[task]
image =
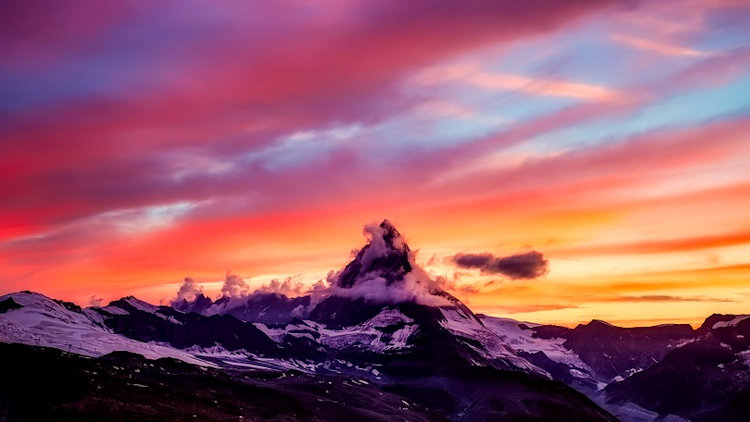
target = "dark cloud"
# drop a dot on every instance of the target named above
(95, 301)
(527, 265)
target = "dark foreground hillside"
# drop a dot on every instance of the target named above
(48, 384)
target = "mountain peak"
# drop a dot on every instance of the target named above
(386, 255)
(134, 302)
(390, 234)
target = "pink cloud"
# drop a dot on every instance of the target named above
(658, 47)
(230, 92)
(472, 74)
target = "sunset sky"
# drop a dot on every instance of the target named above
(144, 142)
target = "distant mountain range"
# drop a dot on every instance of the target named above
(382, 343)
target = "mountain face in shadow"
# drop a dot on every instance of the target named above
(704, 380)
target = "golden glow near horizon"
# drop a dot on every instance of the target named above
(632, 282)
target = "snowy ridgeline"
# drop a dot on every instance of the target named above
(41, 321)
(731, 323)
(372, 335)
(521, 338)
(44, 322)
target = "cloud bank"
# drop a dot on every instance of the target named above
(188, 291)
(288, 287)
(234, 286)
(528, 265)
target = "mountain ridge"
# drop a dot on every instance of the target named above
(385, 322)
(549, 356)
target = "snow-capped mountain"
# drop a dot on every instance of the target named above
(395, 355)
(387, 348)
(545, 347)
(381, 301)
(591, 355)
(34, 319)
(383, 324)
(267, 308)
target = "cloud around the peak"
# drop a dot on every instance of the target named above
(527, 265)
(415, 287)
(385, 271)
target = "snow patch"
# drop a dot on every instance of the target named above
(493, 345)
(519, 336)
(141, 305)
(275, 334)
(378, 334)
(746, 357)
(114, 310)
(215, 351)
(243, 364)
(731, 323)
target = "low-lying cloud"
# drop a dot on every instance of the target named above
(234, 286)
(412, 288)
(528, 265)
(189, 289)
(237, 290)
(288, 287)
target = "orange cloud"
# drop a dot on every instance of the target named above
(660, 246)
